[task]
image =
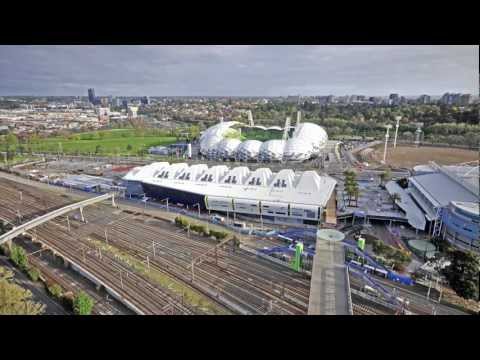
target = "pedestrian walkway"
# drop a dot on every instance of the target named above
(329, 289)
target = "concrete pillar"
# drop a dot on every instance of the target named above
(81, 214)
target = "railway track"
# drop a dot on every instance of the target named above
(101, 307)
(253, 284)
(120, 278)
(361, 309)
(239, 274)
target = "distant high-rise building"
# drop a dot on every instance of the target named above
(394, 99)
(91, 95)
(125, 104)
(465, 99)
(104, 102)
(423, 99)
(145, 100)
(455, 99)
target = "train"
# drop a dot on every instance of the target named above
(387, 274)
(371, 269)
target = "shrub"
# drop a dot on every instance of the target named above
(82, 304)
(68, 298)
(33, 274)
(183, 223)
(55, 290)
(200, 229)
(219, 235)
(19, 257)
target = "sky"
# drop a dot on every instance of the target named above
(238, 70)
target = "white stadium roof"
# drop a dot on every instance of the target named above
(306, 187)
(307, 140)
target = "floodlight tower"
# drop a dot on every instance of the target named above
(287, 128)
(250, 118)
(299, 117)
(418, 134)
(397, 125)
(388, 127)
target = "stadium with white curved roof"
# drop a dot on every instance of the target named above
(286, 196)
(222, 141)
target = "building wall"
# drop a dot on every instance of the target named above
(461, 228)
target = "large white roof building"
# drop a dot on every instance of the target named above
(286, 194)
(307, 140)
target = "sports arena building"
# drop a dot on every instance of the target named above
(449, 198)
(283, 197)
(221, 142)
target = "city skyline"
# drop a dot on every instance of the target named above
(238, 70)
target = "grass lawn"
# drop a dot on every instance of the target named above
(111, 142)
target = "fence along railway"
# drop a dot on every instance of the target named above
(229, 279)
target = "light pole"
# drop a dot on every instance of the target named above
(397, 125)
(145, 202)
(197, 204)
(388, 127)
(418, 134)
(166, 201)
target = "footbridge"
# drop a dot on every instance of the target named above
(330, 283)
(19, 230)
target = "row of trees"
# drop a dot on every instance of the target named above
(14, 300)
(351, 186)
(368, 120)
(463, 273)
(199, 229)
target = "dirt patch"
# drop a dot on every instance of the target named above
(406, 156)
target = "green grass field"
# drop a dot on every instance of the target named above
(110, 142)
(260, 135)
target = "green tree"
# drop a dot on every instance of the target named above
(14, 300)
(141, 152)
(82, 304)
(19, 257)
(129, 147)
(33, 274)
(55, 290)
(463, 273)
(351, 186)
(194, 131)
(10, 143)
(98, 149)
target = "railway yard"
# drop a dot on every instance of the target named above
(131, 261)
(147, 261)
